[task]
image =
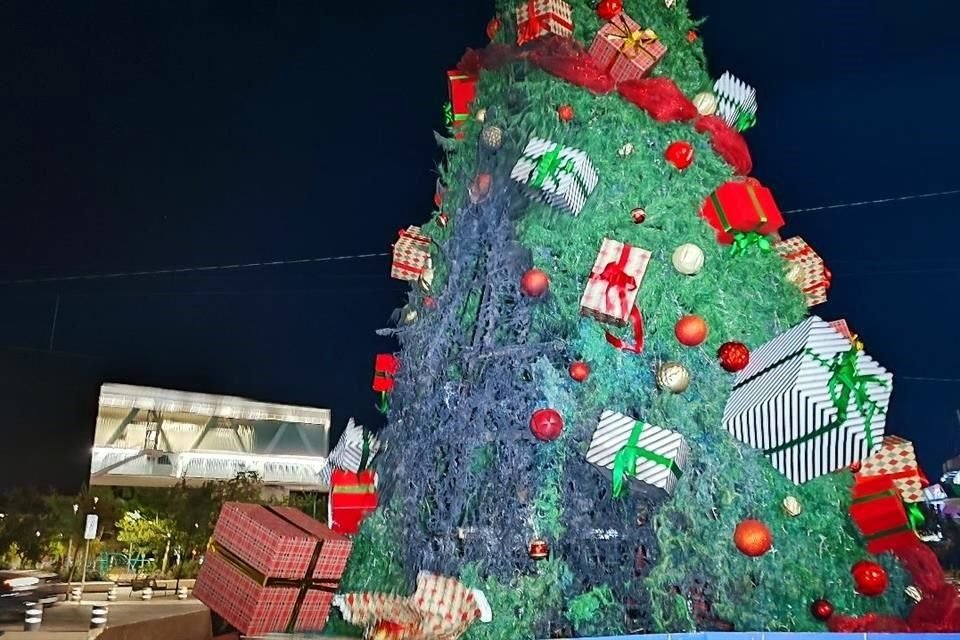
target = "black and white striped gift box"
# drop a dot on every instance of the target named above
(611, 435)
(782, 396)
(348, 453)
(565, 189)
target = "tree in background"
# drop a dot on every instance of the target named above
(502, 379)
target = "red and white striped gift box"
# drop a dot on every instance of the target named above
(411, 252)
(536, 18)
(807, 269)
(271, 569)
(897, 460)
(611, 291)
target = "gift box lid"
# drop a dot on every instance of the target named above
(279, 542)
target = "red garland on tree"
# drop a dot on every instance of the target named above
(734, 356)
(728, 144)
(546, 424)
(493, 27)
(660, 97)
(609, 9)
(679, 154)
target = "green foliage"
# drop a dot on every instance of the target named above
(593, 612)
(145, 534)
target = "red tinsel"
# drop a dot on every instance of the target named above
(569, 61)
(728, 144)
(660, 97)
(937, 612)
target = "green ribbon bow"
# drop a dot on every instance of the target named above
(915, 515)
(384, 405)
(845, 382)
(448, 113)
(625, 462)
(743, 241)
(745, 120)
(549, 165)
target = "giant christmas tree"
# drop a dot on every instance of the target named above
(583, 133)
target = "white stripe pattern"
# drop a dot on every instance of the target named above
(734, 97)
(567, 190)
(611, 435)
(783, 395)
(348, 453)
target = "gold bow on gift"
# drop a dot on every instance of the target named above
(631, 43)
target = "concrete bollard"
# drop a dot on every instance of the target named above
(75, 594)
(147, 594)
(33, 616)
(98, 616)
(112, 594)
(182, 593)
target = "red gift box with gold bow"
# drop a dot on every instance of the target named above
(742, 206)
(353, 496)
(626, 50)
(879, 515)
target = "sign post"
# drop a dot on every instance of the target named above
(89, 533)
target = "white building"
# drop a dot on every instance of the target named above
(156, 437)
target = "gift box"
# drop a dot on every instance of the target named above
(807, 270)
(355, 449)
(742, 212)
(411, 252)
(878, 514)
(271, 569)
(463, 90)
(842, 328)
(536, 18)
(560, 176)
(611, 292)
(896, 460)
(384, 369)
(811, 401)
(353, 496)
(651, 458)
(626, 50)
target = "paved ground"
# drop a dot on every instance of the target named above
(67, 616)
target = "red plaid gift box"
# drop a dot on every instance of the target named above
(878, 513)
(353, 496)
(536, 18)
(271, 569)
(410, 254)
(807, 270)
(463, 89)
(842, 328)
(897, 460)
(741, 207)
(626, 50)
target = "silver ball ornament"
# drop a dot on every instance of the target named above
(706, 103)
(673, 376)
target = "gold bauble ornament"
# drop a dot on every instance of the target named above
(706, 103)
(791, 506)
(492, 137)
(425, 281)
(625, 150)
(913, 593)
(480, 115)
(688, 259)
(673, 376)
(408, 315)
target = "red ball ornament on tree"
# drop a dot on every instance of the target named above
(493, 27)
(546, 424)
(565, 113)
(679, 154)
(734, 356)
(753, 538)
(870, 579)
(691, 330)
(535, 283)
(821, 609)
(609, 9)
(579, 371)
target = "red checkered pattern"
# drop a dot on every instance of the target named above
(808, 271)
(896, 458)
(447, 606)
(367, 609)
(410, 254)
(842, 328)
(536, 18)
(619, 48)
(278, 549)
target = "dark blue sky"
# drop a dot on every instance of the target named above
(151, 135)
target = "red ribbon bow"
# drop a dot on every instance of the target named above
(532, 27)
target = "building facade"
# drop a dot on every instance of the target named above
(158, 437)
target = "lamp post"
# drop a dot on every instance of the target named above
(76, 509)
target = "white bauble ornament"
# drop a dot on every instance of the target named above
(688, 259)
(706, 103)
(673, 376)
(480, 115)
(492, 137)
(791, 506)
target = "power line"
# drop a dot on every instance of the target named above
(863, 203)
(928, 379)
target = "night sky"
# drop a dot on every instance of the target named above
(144, 136)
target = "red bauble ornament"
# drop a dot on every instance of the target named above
(870, 579)
(534, 283)
(609, 9)
(855, 467)
(679, 154)
(691, 330)
(565, 113)
(429, 303)
(539, 549)
(692, 36)
(579, 371)
(753, 538)
(546, 424)
(638, 216)
(734, 356)
(821, 609)
(493, 27)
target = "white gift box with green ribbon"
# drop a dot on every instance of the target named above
(561, 176)
(642, 456)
